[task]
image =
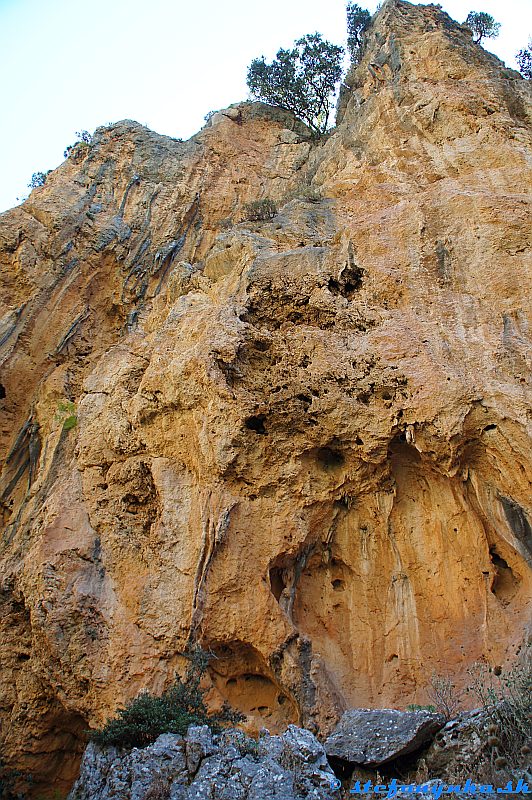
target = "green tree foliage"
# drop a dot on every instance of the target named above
(524, 59)
(483, 26)
(148, 716)
(358, 19)
(84, 139)
(301, 80)
(38, 179)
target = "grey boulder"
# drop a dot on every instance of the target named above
(203, 766)
(371, 737)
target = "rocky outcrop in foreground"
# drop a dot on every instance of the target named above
(373, 737)
(230, 766)
(302, 442)
(378, 746)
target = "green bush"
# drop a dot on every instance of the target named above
(483, 26)
(67, 414)
(260, 210)
(38, 179)
(84, 139)
(417, 707)
(182, 704)
(358, 20)
(310, 194)
(524, 59)
(301, 80)
(210, 114)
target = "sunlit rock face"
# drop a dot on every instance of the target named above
(303, 441)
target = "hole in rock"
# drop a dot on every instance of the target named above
(241, 677)
(261, 345)
(348, 282)
(342, 769)
(256, 423)
(490, 427)
(277, 583)
(23, 657)
(2, 391)
(403, 454)
(329, 458)
(281, 699)
(504, 584)
(338, 585)
(345, 501)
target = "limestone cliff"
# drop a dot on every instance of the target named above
(303, 442)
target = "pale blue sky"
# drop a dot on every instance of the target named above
(68, 66)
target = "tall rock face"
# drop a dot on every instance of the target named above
(302, 442)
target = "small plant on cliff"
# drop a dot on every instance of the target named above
(83, 141)
(67, 414)
(507, 698)
(358, 19)
(524, 60)
(301, 80)
(417, 707)
(260, 210)
(38, 179)
(483, 26)
(209, 115)
(182, 704)
(444, 695)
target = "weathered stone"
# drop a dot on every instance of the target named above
(199, 744)
(303, 442)
(459, 746)
(110, 772)
(228, 767)
(372, 737)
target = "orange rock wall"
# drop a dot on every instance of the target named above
(303, 442)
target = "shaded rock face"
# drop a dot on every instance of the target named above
(302, 442)
(229, 767)
(460, 747)
(372, 737)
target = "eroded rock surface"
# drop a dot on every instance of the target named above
(230, 766)
(371, 737)
(303, 442)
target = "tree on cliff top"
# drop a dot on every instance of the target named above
(301, 80)
(524, 59)
(483, 26)
(358, 19)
